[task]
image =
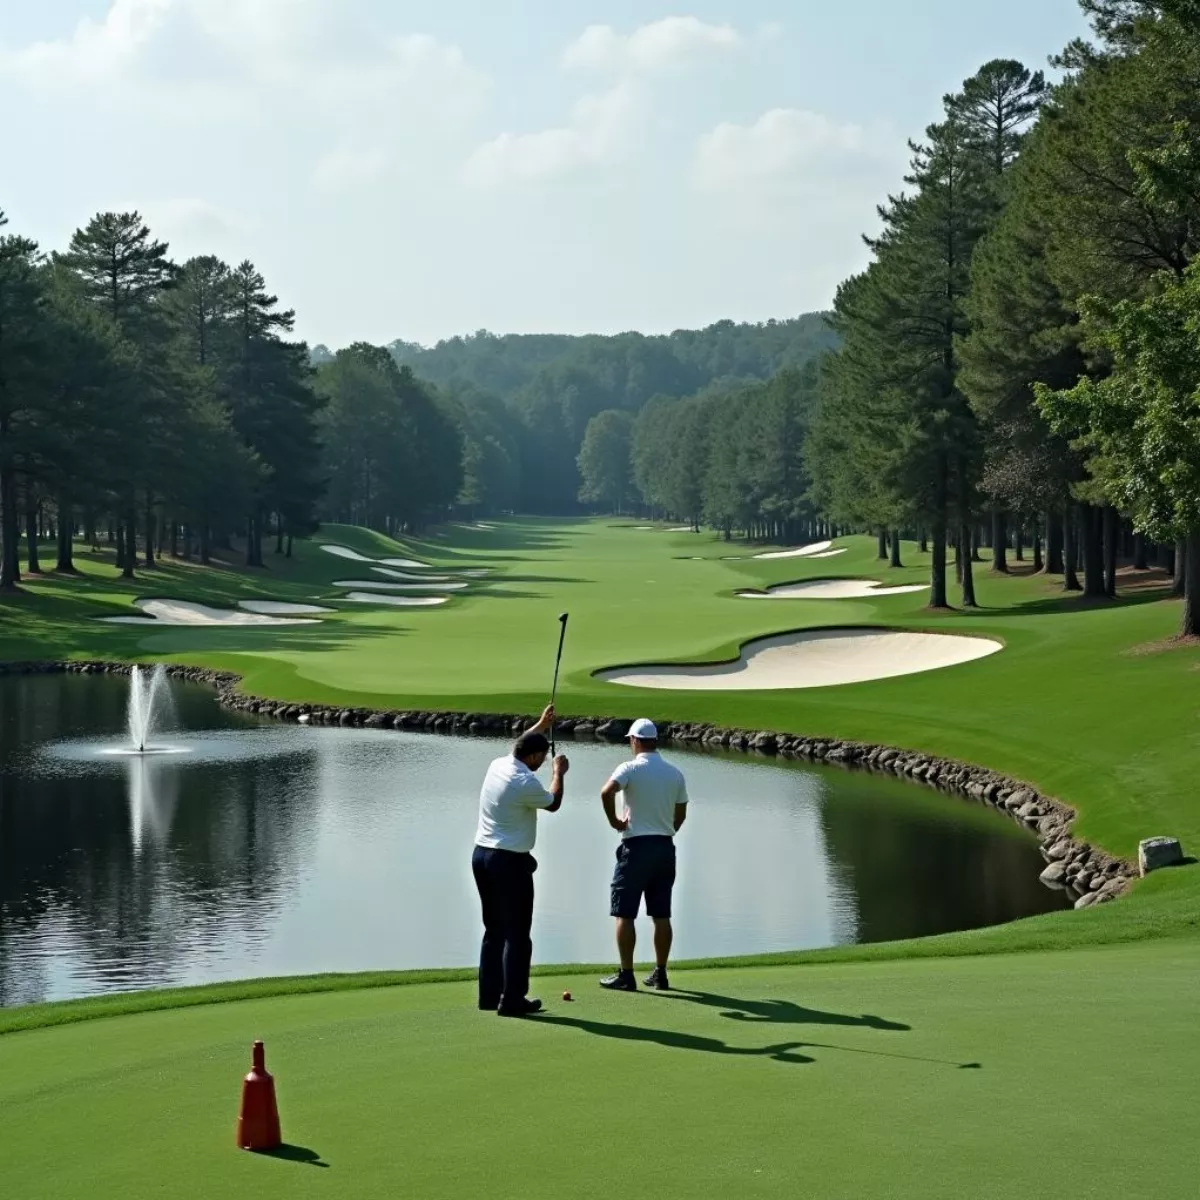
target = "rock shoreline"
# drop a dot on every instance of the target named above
(1089, 875)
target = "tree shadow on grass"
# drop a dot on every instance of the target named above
(296, 1154)
(778, 1012)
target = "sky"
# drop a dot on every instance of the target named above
(425, 168)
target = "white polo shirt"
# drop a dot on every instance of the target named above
(508, 806)
(651, 788)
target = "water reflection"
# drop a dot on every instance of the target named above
(271, 849)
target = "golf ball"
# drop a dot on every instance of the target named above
(566, 995)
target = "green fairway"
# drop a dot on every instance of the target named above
(994, 1077)
(1085, 1050)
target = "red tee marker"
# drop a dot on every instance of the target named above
(258, 1120)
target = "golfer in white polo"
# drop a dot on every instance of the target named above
(655, 807)
(503, 865)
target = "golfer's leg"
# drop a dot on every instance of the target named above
(658, 900)
(518, 921)
(663, 936)
(491, 952)
(626, 941)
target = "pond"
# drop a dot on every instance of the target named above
(269, 849)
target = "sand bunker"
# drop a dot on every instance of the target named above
(812, 659)
(409, 577)
(281, 608)
(354, 556)
(379, 586)
(832, 589)
(184, 612)
(802, 552)
(829, 553)
(680, 529)
(346, 552)
(397, 601)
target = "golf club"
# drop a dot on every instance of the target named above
(562, 637)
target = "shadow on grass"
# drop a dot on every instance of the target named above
(778, 1012)
(296, 1154)
(780, 1052)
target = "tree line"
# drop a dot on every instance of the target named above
(1022, 349)
(165, 408)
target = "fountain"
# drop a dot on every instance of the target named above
(147, 699)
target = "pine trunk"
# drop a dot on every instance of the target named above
(289, 546)
(130, 545)
(1191, 589)
(896, 548)
(279, 535)
(1055, 527)
(10, 530)
(883, 545)
(151, 530)
(1179, 572)
(66, 535)
(1093, 551)
(1038, 564)
(968, 572)
(1070, 569)
(937, 575)
(1112, 537)
(34, 562)
(1141, 559)
(1000, 540)
(924, 542)
(119, 539)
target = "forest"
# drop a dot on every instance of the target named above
(1019, 364)
(160, 407)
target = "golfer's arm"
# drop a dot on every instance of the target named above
(608, 797)
(556, 790)
(680, 816)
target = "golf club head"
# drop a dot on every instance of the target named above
(563, 617)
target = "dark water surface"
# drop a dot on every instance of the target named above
(266, 849)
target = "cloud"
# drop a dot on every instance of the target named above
(783, 148)
(195, 226)
(660, 45)
(348, 168)
(603, 128)
(311, 62)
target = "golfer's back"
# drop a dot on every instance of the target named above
(651, 788)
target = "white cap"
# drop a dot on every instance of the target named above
(643, 730)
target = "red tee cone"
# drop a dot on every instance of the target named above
(258, 1120)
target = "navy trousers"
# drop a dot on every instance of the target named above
(505, 883)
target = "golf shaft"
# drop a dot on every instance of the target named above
(562, 637)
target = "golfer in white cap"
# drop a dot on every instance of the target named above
(655, 798)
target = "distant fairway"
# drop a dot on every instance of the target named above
(1087, 1056)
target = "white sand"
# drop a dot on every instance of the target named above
(680, 529)
(802, 552)
(403, 562)
(379, 586)
(184, 612)
(832, 589)
(829, 553)
(477, 573)
(346, 552)
(409, 577)
(812, 659)
(397, 601)
(281, 608)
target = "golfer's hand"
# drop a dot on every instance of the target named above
(620, 824)
(546, 719)
(561, 765)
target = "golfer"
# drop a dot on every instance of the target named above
(503, 866)
(656, 801)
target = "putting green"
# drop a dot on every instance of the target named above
(1087, 1055)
